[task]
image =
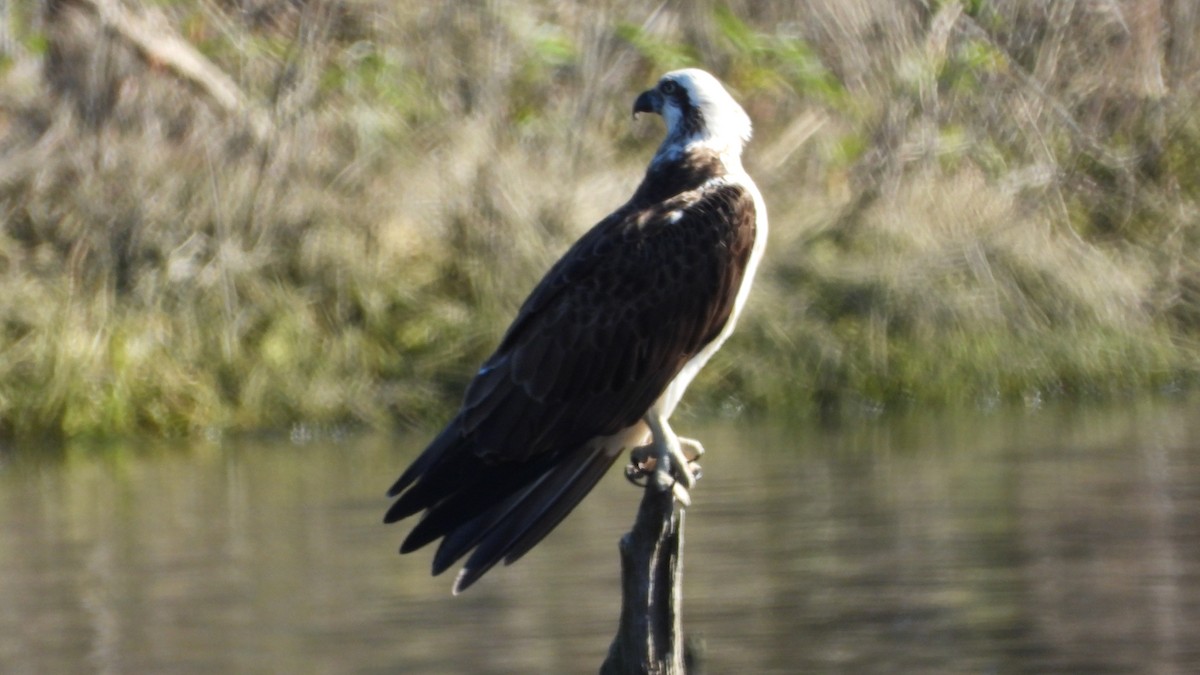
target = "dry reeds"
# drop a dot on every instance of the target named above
(970, 202)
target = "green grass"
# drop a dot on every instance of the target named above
(966, 208)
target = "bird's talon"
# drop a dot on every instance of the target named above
(642, 463)
(643, 455)
(684, 474)
(664, 480)
(691, 448)
(636, 475)
(681, 494)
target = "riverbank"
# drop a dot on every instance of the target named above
(969, 206)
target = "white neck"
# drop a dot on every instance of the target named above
(673, 149)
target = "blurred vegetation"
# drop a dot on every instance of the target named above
(970, 202)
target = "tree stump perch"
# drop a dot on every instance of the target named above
(649, 636)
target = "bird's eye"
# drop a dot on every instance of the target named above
(669, 87)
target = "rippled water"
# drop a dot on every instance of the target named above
(1058, 540)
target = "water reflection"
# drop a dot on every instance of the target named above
(1057, 541)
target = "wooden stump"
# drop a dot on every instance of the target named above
(649, 637)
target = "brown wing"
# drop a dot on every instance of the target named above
(596, 343)
(611, 326)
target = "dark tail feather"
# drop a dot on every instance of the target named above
(530, 519)
(434, 482)
(560, 508)
(452, 485)
(476, 492)
(437, 452)
(464, 538)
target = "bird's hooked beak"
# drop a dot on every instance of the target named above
(650, 101)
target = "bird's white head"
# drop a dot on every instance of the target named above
(697, 110)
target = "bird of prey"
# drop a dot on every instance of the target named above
(601, 352)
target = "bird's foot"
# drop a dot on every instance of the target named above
(644, 464)
(641, 464)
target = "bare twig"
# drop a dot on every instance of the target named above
(158, 43)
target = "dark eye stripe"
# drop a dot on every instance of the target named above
(691, 119)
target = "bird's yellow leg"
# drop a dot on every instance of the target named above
(666, 445)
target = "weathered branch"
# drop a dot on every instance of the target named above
(160, 45)
(649, 638)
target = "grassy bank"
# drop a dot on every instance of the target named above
(970, 203)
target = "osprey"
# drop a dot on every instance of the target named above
(602, 350)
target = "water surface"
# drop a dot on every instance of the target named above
(1056, 540)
